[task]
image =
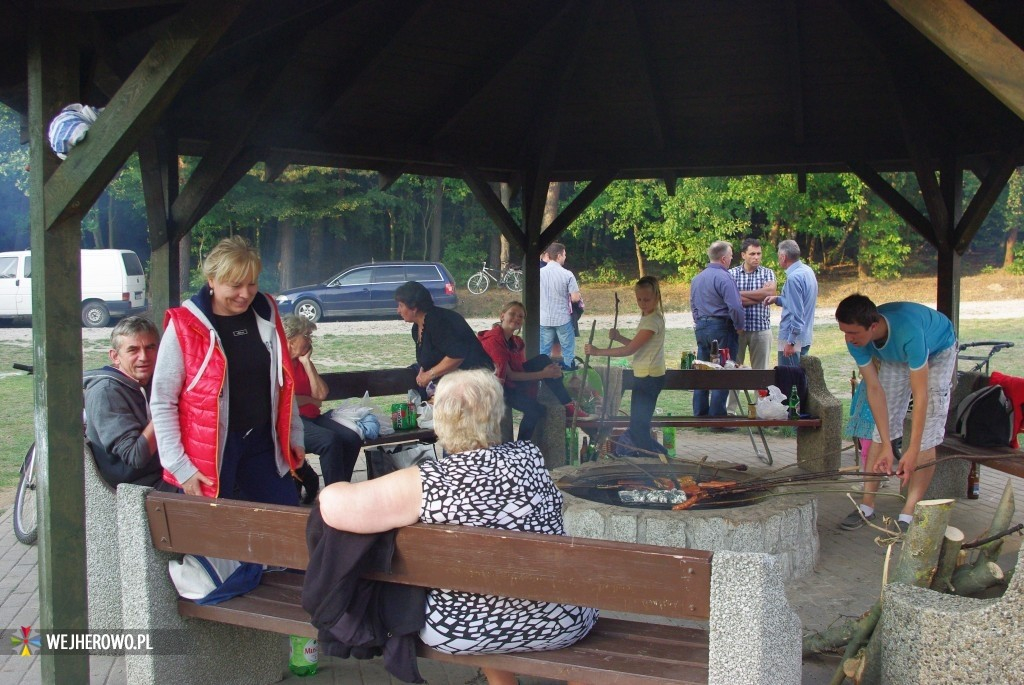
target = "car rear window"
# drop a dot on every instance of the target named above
(389, 274)
(422, 272)
(132, 265)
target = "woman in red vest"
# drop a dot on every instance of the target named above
(223, 395)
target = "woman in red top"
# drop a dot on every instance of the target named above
(518, 376)
(337, 445)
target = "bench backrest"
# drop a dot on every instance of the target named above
(729, 379)
(616, 576)
(379, 383)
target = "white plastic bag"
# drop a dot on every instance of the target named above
(772, 407)
(425, 415)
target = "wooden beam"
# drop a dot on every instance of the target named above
(578, 205)
(53, 81)
(80, 179)
(274, 166)
(487, 74)
(992, 185)
(657, 110)
(896, 202)
(984, 52)
(258, 95)
(794, 67)
(158, 162)
(209, 192)
(492, 205)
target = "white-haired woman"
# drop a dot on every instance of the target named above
(223, 396)
(468, 408)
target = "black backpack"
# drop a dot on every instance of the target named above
(985, 418)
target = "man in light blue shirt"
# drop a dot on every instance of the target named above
(916, 350)
(798, 299)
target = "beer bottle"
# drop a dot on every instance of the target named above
(794, 404)
(974, 481)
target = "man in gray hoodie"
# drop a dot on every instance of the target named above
(117, 421)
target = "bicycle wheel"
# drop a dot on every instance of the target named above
(478, 283)
(26, 516)
(514, 281)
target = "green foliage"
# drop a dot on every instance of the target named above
(605, 272)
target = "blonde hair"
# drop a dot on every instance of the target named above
(468, 408)
(652, 283)
(233, 260)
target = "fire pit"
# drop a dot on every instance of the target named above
(784, 527)
(658, 486)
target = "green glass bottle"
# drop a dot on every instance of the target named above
(794, 404)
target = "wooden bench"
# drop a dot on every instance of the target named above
(1009, 461)
(733, 380)
(378, 383)
(750, 619)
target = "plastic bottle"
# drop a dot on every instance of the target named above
(305, 655)
(974, 482)
(794, 404)
(669, 439)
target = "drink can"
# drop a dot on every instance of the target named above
(403, 416)
(724, 354)
(752, 410)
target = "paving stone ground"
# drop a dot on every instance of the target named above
(844, 584)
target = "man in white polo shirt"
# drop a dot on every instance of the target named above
(558, 290)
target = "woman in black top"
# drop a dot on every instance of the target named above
(444, 341)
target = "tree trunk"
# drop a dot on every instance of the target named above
(315, 249)
(641, 263)
(551, 204)
(505, 192)
(286, 254)
(1011, 244)
(916, 565)
(865, 628)
(1001, 520)
(111, 220)
(434, 253)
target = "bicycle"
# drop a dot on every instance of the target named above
(26, 514)
(510, 277)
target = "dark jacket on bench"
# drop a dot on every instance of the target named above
(356, 617)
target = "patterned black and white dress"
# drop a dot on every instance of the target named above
(504, 487)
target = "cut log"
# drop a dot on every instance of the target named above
(1001, 520)
(865, 628)
(916, 565)
(948, 554)
(969, 580)
(834, 637)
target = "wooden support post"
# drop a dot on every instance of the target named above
(57, 341)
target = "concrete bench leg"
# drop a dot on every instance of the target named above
(185, 650)
(755, 637)
(819, 449)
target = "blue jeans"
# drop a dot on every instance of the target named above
(707, 329)
(520, 396)
(642, 402)
(795, 359)
(566, 338)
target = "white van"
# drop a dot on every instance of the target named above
(113, 285)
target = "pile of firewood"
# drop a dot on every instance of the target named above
(933, 555)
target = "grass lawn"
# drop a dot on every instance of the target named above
(355, 352)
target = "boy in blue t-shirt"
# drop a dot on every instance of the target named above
(916, 347)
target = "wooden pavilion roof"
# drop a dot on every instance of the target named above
(641, 88)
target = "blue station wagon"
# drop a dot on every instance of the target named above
(367, 290)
